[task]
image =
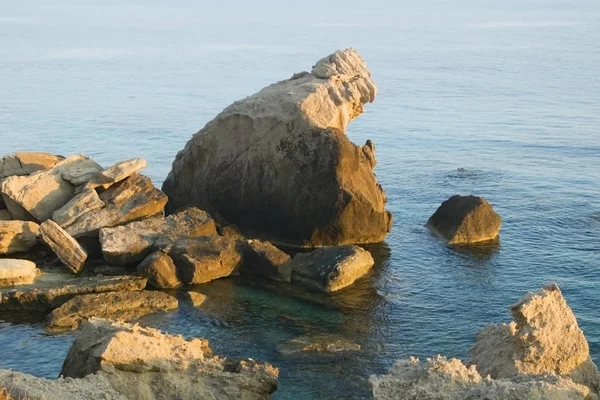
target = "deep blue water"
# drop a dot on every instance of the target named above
(510, 92)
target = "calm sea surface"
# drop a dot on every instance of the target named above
(498, 99)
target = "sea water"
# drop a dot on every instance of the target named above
(497, 99)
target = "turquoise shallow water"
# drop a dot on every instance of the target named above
(509, 92)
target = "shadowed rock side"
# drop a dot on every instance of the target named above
(541, 355)
(279, 163)
(144, 363)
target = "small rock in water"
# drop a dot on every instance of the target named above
(195, 298)
(465, 220)
(263, 259)
(160, 270)
(17, 272)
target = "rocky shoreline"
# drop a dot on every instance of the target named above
(96, 248)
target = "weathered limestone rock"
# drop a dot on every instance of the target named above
(263, 259)
(50, 290)
(195, 298)
(85, 202)
(17, 272)
(5, 215)
(63, 245)
(143, 363)
(38, 195)
(82, 171)
(331, 268)
(160, 271)
(132, 242)
(465, 220)
(130, 200)
(543, 338)
(204, 259)
(117, 173)
(117, 306)
(17, 236)
(443, 379)
(25, 163)
(279, 162)
(24, 386)
(326, 343)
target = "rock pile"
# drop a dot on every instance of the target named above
(542, 354)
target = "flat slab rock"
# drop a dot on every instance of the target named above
(66, 248)
(51, 290)
(464, 220)
(331, 268)
(145, 363)
(83, 203)
(17, 272)
(25, 163)
(116, 306)
(17, 236)
(117, 173)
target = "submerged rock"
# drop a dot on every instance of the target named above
(132, 199)
(442, 379)
(17, 385)
(203, 259)
(51, 290)
(543, 338)
(132, 242)
(17, 272)
(465, 220)
(263, 259)
(331, 268)
(279, 162)
(160, 271)
(323, 343)
(66, 248)
(17, 236)
(117, 306)
(146, 363)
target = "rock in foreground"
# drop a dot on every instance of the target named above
(465, 220)
(443, 379)
(279, 163)
(331, 268)
(144, 363)
(17, 272)
(117, 306)
(543, 338)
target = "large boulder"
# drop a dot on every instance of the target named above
(17, 272)
(160, 271)
(442, 379)
(66, 248)
(37, 196)
(51, 290)
(144, 363)
(203, 259)
(464, 220)
(331, 268)
(279, 163)
(117, 306)
(129, 200)
(17, 236)
(132, 242)
(263, 259)
(543, 338)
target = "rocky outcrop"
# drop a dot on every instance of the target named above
(203, 259)
(143, 363)
(442, 379)
(26, 163)
(263, 259)
(132, 199)
(279, 162)
(543, 338)
(66, 248)
(331, 268)
(17, 236)
(117, 306)
(464, 220)
(37, 196)
(17, 272)
(85, 202)
(18, 386)
(51, 290)
(132, 242)
(160, 271)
